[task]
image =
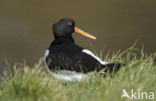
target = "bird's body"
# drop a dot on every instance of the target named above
(68, 61)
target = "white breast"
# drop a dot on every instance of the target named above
(68, 76)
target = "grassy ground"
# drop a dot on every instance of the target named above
(35, 84)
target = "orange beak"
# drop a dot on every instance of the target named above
(81, 32)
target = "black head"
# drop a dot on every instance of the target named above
(64, 28)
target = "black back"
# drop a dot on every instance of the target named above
(66, 55)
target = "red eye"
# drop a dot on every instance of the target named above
(69, 23)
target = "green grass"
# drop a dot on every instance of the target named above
(35, 84)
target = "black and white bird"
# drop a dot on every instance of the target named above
(67, 61)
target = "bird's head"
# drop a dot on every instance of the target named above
(65, 27)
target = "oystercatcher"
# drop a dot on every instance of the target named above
(66, 60)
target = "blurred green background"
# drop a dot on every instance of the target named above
(26, 25)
